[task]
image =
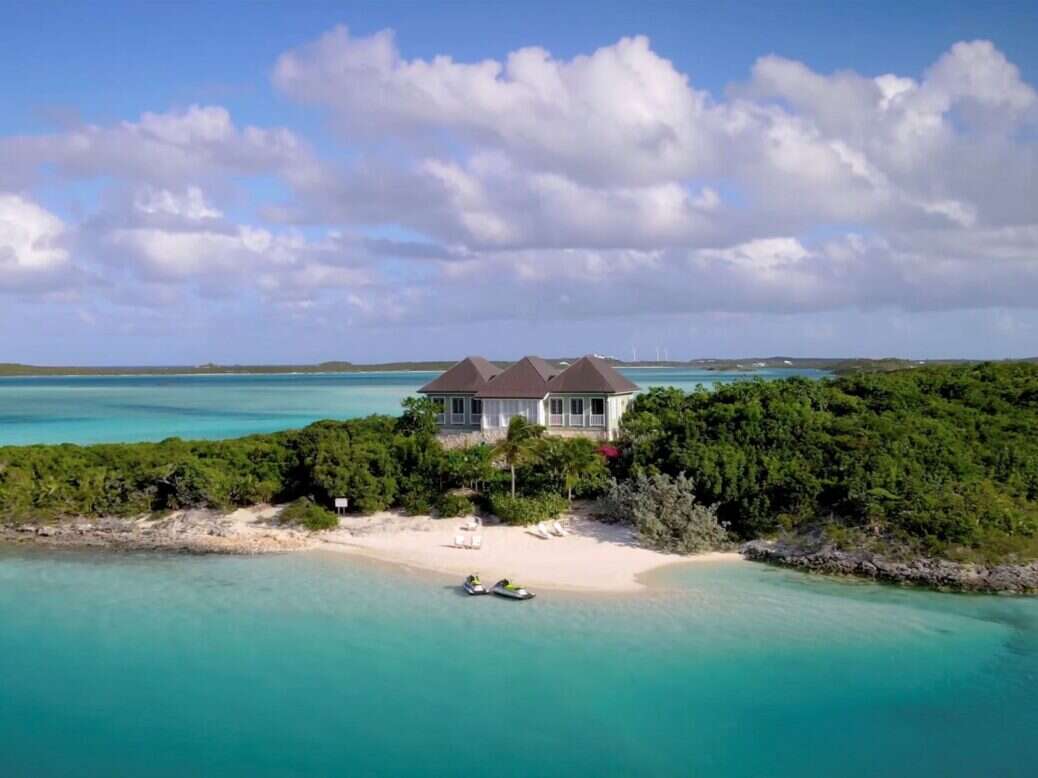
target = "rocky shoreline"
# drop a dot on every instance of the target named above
(190, 532)
(930, 573)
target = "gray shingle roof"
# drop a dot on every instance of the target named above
(468, 376)
(591, 374)
(526, 379)
(529, 378)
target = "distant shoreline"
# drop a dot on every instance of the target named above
(216, 375)
(835, 365)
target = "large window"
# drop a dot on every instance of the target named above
(477, 409)
(555, 411)
(597, 411)
(457, 410)
(576, 411)
(440, 404)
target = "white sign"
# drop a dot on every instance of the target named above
(342, 502)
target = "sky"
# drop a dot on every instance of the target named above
(183, 183)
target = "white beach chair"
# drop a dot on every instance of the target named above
(477, 542)
(541, 531)
(468, 526)
(559, 530)
(459, 541)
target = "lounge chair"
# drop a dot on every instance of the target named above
(541, 531)
(559, 530)
(459, 541)
(468, 526)
(477, 542)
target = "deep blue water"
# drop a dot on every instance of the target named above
(92, 409)
(320, 664)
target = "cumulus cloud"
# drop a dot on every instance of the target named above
(558, 167)
(33, 253)
(199, 143)
(529, 185)
(570, 115)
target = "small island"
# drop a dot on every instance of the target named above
(925, 476)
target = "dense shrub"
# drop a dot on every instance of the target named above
(451, 504)
(363, 460)
(306, 513)
(666, 514)
(527, 510)
(416, 503)
(945, 457)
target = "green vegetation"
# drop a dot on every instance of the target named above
(665, 512)
(378, 463)
(306, 513)
(519, 445)
(527, 510)
(451, 504)
(936, 460)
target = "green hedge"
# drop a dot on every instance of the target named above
(527, 510)
(451, 504)
(306, 513)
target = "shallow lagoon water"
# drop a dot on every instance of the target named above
(318, 664)
(95, 409)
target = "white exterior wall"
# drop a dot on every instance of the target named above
(498, 413)
(615, 406)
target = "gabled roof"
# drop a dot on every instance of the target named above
(526, 379)
(468, 376)
(591, 374)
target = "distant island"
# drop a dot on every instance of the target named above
(836, 365)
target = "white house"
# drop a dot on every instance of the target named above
(587, 397)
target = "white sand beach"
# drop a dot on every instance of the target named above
(591, 557)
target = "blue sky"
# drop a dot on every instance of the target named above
(227, 182)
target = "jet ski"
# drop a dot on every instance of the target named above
(474, 586)
(513, 591)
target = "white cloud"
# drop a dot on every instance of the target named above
(199, 143)
(605, 184)
(562, 115)
(191, 204)
(32, 244)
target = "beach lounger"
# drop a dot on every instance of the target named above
(477, 542)
(541, 531)
(558, 529)
(459, 541)
(468, 526)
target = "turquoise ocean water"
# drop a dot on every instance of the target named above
(320, 664)
(317, 664)
(130, 408)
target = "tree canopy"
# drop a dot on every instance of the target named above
(944, 457)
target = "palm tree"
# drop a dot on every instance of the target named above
(518, 445)
(580, 459)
